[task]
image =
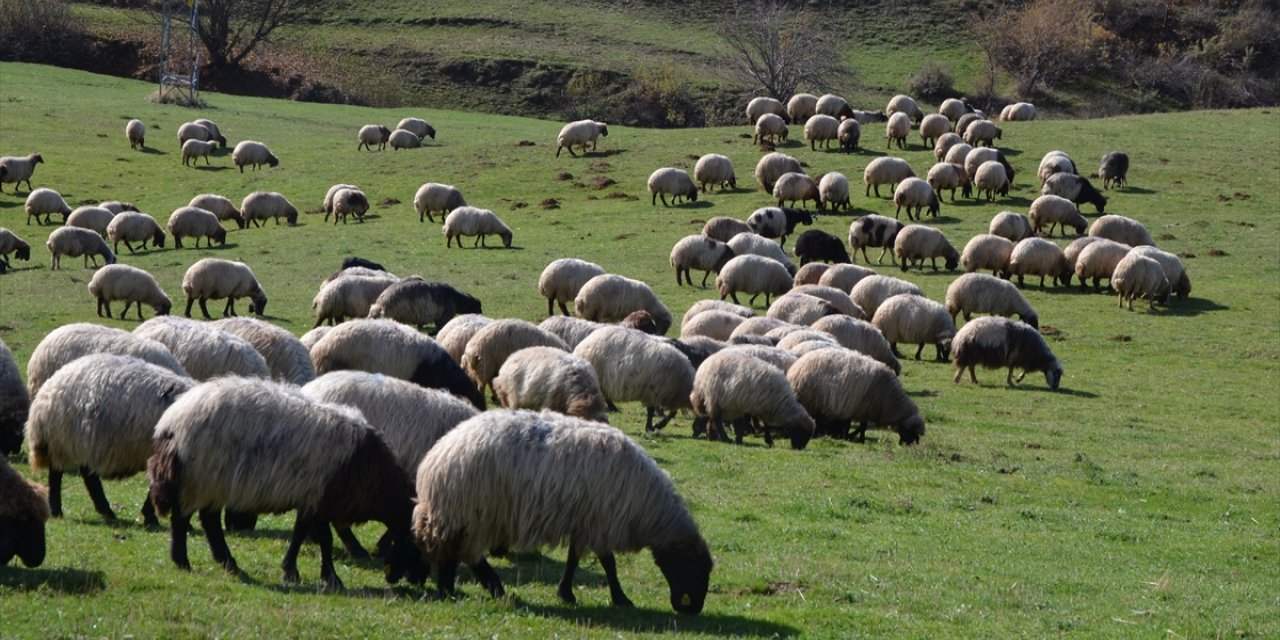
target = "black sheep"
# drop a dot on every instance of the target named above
(819, 246)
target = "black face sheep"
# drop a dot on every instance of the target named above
(944, 144)
(89, 217)
(837, 297)
(995, 343)
(263, 447)
(348, 296)
(755, 275)
(1137, 276)
(434, 197)
(915, 243)
(197, 223)
(1038, 257)
(833, 105)
(456, 333)
(759, 106)
(859, 335)
(419, 302)
(978, 157)
(548, 378)
(897, 129)
(771, 167)
(871, 291)
(1074, 188)
(885, 170)
(633, 366)
(838, 387)
(1114, 169)
(349, 202)
(213, 278)
(287, 358)
(193, 150)
(1018, 111)
(11, 243)
(260, 205)
(713, 170)
(1072, 253)
(74, 241)
(1174, 271)
(694, 252)
(735, 387)
(255, 153)
(1121, 229)
(562, 279)
(716, 305)
(800, 308)
(953, 108)
(801, 107)
(579, 133)
(1055, 162)
(131, 284)
(904, 104)
(724, 228)
(673, 182)
(117, 207)
(204, 350)
(916, 194)
(418, 127)
(849, 133)
(945, 175)
(402, 139)
(777, 222)
(982, 132)
(18, 169)
(918, 320)
(610, 298)
(980, 293)
(815, 245)
(958, 154)
(98, 415)
(133, 226)
(987, 251)
(214, 131)
(46, 202)
(327, 203)
(770, 130)
(471, 221)
(713, 323)
(371, 134)
(71, 341)
(14, 403)
(23, 512)
(754, 244)
(833, 190)
(193, 131)
(1051, 210)
(758, 326)
(1098, 260)
(991, 179)
(932, 127)
(496, 341)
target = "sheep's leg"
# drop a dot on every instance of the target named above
(55, 492)
(103, 304)
(351, 543)
(565, 590)
(893, 346)
(93, 484)
(1097, 284)
(1021, 376)
(551, 309)
(125, 311)
(1009, 378)
(665, 419)
(230, 309)
(860, 434)
(487, 577)
(932, 261)
(149, 513)
(959, 372)
(138, 307)
(919, 351)
(705, 275)
(189, 302)
(880, 259)
(564, 308)
(610, 566)
(179, 526)
(212, 525)
(700, 426)
(241, 520)
(320, 533)
(973, 376)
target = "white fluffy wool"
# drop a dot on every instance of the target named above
(204, 350)
(548, 378)
(71, 341)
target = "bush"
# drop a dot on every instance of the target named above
(37, 30)
(932, 82)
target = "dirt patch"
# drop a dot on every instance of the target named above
(601, 182)
(600, 166)
(1166, 236)
(1120, 337)
(577, 184)
(773, 588)
(618, 195)
(1185, 255)
(519, 204)
(1218, 253)
(387, 202)
(549, 203)
(526, 143)
(624, 236)
(564, 175)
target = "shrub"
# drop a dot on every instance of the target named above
(37, 30)
(932, 82)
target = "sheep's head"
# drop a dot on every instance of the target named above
(384, 133)
(953, 259)
(291, 214)
(258, 302)
(1053, 375)
(241, 223)
(506, 239)
(692, 193)
(641, 321)
(37, 158)
(24, 253)
(272, 161)
(469, 304)
(687, 567)
(604, 129)
(163, 307)
(1031, 319)
(944, 346)
(158, 238)
(431, 132)
(219, 236)
(1080, 226)
(911, 430)
(1182, 288)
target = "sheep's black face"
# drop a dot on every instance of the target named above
(1032, 320)
(944, 349)
(800, 437)
(258, 305)
(687, 568)
(1053, 376)
(911, 430)
(404, 561)
(1081, 227)
(952, 262)
(24, 253)
(162, 309)
(469, 304)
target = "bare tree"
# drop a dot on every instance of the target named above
(231, 29)
(1040, 45)
(780, 48)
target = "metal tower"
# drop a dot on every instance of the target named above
(180, 52)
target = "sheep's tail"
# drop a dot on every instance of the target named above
(164, 468)
(39, 455)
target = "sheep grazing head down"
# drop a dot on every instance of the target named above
(258, 303)
(687, 567)
(911, 430)
(1053, 376)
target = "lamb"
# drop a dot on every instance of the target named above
(473, 221)
(1050, 210)
(579, 133)
(92, 218)
(131, 284)
(371, 134)
(897, 130)
(489, 470)
(1055, 162)
(915, 319)
(674, 182)
(260, 205)
(98, 415)
(849, 133)
(945, 175)
(1098, 260)
(916, 242)
(844, 276)
(326, 462)
(987, 251)
(23, 512)
(136, 132)
(996, 342)
(11, 243)
(755, 275)
(1018, 111)
(932, 127)
(873, 230)
(944, 144)
(194, 131)
(886, 170)
(820, 246)
(762, 105)
(348, 296)
(14, 402)
(434, 197)
(777, 222)
(610, 298)
(800, 308)
(205, 351)
(1010, 225)
(18, 169)
(327, 203)
(402, 139)
(393, 349)
(193, 150)
(714, 169)
(1174, 271)
(980, 293)
(218, 206)
(1038, 257)
(1121, 229)
(982, 132)
(736, 387)
(1114, 169)
(952, 109)
(195, 223)
(349, 202)
(496, 341)
(916, 193)
(286, 357)
(549, 378)
(771, 167)
(834, 106)
(71, 341)
(213, 130)
(991, 179)
(724, 228)
(690, 252)
(562, 279)
(74, 241)
(417, 302)
(837, 386)
(833, 190)
(1074, 188)
(213, 278)
(794, 187)
(859, 335)
(255, 153)
(821, 128)
(872, 291)
(633, 366)
(904, 104)
(46, 202)
(976, 157)
(802, 106)
(759, 245)
(713, 323)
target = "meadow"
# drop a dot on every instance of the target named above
(1140, 500)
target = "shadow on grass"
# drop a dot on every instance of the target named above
(1137, 190)
(209, 167)
(1039, 386)
(154, 151)
(1191, 307)
(61, 580)
(643, 620)
(1010, 153)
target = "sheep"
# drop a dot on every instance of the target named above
(965, 120)
(914, 192)
(610, 298)
(952, 109)
(417, 302)
(132, 226)
(327, 203)
(987, 251)
(563, 278)
(455, 334)
(723, 228)
(214, 131)
(434, 197)
(1121, 229)
(1076, 189)
(1011, 226)
(349, 202)
(794, 187)
(324, 460)
(14, 402)
(287, 358)
(1114, 169)
(931, 128)
(757, 326)
(371, 134)
(838, 386)
(916, 242)
(418, 127)
(348, 296)
(136, 132)
(204, 350)
(915, 319)
(715, 169)
(71, 341)
(218, 206)
(858, 335)
(310, 338)
(74, 241)
(1037, 256)
(980, 293)
(1098, 260)
(1055, 162)
(44, 201)
(1072, 252)
(393, 349)
(117, 207)
(885, 170)
(904, 104)
(213, 278)
(777, 222)
(945, 175)
(755, 275)
(819, 245)
(194, 131)
(565, 487)
(548, 378)
(801, 107)
(836, 297)
(1050, 210)
(958, 154)
(89, 217)
(402, 139)
(833, 106)
(473, 221)
(873, 230)
(574, 330)
(18, 169)
(690, 252)
(821, 128)
(800, 308)
(897, 129)
(872, 291)
(762, 105)
(759, 245)
(674, 182)
(849, 134)
(579, 133)
(991, 179)
(784, 329)
(23, 512)
(255, 153)
(736, 387)
(260, 205)
(771, 167)
(995, 342)
(1174, 271)
(801, 341)
(977, 157)
(1018, 111)
(713, 323)
(1139, 276)
(131, 284)
(944, 144)
(772, 128)
(633, 366)
(833, 190)
(98, 415)
(780, 359)
(195, 223)
(193, 150)
(843, 276)
(496, 341)
(11, 243)
(716, 305)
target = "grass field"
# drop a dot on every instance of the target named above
(1140, 500)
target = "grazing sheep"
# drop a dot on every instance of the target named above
(579, 133)
(714, 169)
(801, 107)
(219, 206)
(736, 387)
(758, 326)
(952, 109)
(632, 366)
(980, 293)
(886, 170)
(71, 341)
(712, 323)
(821, 128)
(1055, 162)
(1174, 271)
(14, 402)
(74, 241)
(916, 193)
(371, 134)
(690, 252)
(795, 187)
(995, 342)
(897, 130)
(768, 354)
(873, 230)
(674, 182)
(418, 302)
(917, 242)
(195, 223)
(771, 167)
(521, 480)
(92, 218)
(131, 284)
(18, 169)
(310, 338)
(327, 204)
(834, 106)
(46, 202)
(872, 291)
(1121, 229)
(932, 127)
(833, 190)
(800, 309)
(1098, 260)
(204, 350)
(904, 104)
(549, 378)
(982, 132)
(286, 357)
(849, 133)
(837, 297)
(23, 512)
(817, 245)
(991, 179)
(800, 341)
(260, 205)
(136, 132)
(755, 275)
(838, 386)
(777, 222)
(944, 144)
(434, 197)
(402, 139)
(750, 243)
(98, 415)
(348, 296)
(255, 153)
(1038, 257)
(858, 335)
(473, 221)
(214, 131)
(213, 278)
(456, 333)
(945, 175)
(193, 150)
(562, 279)
(11, 243)
(958, 154)
(762, 105)
(324, 460)
(496, 341)
(843, 276)
(1138, 276)
(418, 127)
(611, 298)
(189, 131)
(365, 267)
(724, 228)
(349, 202)
(1072, 252)
(1114, 169)
(1050, 211)
(975, 158)
(1074, 188)
(987, 251)
(1018, 111)
(1010, 225)
(915, 319)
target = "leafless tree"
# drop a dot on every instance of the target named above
(1041, 44)
(780, 47)
(231, 29)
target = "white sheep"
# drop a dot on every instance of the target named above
(755, 275)
(834, 106)
(772, 128)
(750, 243)
(801, 341)
(897, 129)
(473, 221)
(758, 326)
(780, 359)
(117, 207)
(980, 293)
(1018, 111)
(434, 197)
(714, 169)
(310, 338)
(1072, 251)
(1054, 162)
(723, 228)
(1038, 257)
(958, 154)
(18, 169)
(327, 203)
(977, 157)
(792, 187)
(915, 319)
(1174, 271)
(917, 242)
(214, 278)
(418, 126)
(944, 144)
(348, 296)
(849, 133)
(872, 291)
(14, 403)
(255, 153)
(89, 217)
(736, 387)
(858, 335)
(611, 298)
(987, 251)
(1098, 260)
(219, 206)
(821, 128)
(991, 179)
(800, 309)
(549, 378)
(1137, 276)
(836, 296)
(1121, 229)
(197, 223)
(712, 323)
(193, 131)
(403, 139)
(349, 202)
(496, 341)
(193, 150)
(716, 305)
(260, 205)
(44, 201)
(131, 284)
(1076, 189)
(772, 165)
(873, 230)
(917, 194)
(288, 359)
(843, 276)
(632, 366)
(72, 341)
(996, 342)
(945, 175)
(579, 133)
(136, 132)
(802, 106)
(932, 127)
(74, 241)
(11, 243)
(1010, 225)
(1050, 210)
(674, 182)
(886, 170)
(759, 106)
(833, 190)
(132, 226)
(204, 351)
(213, 130)
(904, 104)
(953, 108)
(982, 132)
(570, 329)
(563, 278)
(691, 252)
(838, 386)
(371, 134)
(456, 333)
